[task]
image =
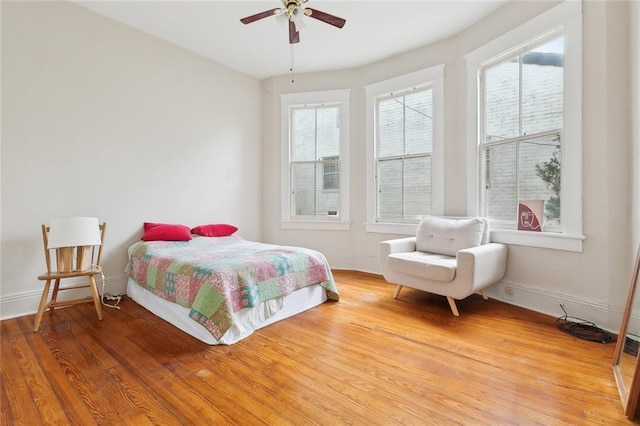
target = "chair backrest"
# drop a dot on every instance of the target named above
(64, 256)
(447, 235)
(486, 233)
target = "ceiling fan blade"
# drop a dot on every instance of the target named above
(325, 17)
(261, 15)
(294, 35)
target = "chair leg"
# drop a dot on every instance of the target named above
(452, 305)
(42, 306)
(484, 294)
(54, 295)
(96, 297)
(397, 292)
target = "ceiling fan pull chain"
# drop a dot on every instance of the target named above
(291, 68)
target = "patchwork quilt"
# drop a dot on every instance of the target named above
(217, 276)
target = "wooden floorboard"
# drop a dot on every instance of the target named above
(368, 359)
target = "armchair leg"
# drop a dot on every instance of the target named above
(452, 305)
(397, 292)
(484, 294)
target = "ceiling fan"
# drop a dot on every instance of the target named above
(294, 12)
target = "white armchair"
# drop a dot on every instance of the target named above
(450, 257)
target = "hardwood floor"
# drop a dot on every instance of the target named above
(366, 360)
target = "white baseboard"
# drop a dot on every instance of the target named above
(548, 302)
(18, 305)
(363, 264)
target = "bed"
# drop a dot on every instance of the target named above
(221, 289)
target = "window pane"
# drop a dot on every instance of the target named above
(500, 182)
(417, 188)
(404, 189)
(418, 122)
(405, 124)
(542, 87)
(390, 191)
(303, 188)
(309, 198)
(390, 128)
(328, 122)
(303, 134)
(502, 85)
(539, 175)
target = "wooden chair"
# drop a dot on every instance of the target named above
(65, 268)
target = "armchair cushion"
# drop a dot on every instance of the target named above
(447, 236)
(435, 267)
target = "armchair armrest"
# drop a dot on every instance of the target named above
(485, 264)
(400, 245)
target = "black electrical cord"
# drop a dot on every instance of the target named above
(582, 329)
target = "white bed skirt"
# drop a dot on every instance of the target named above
(245, 321)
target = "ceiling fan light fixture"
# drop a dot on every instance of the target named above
(298, 19)
(294, 13)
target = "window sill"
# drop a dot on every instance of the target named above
(538, 239)
(316, 225)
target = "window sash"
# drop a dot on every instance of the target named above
(520, 188)
(511, 56)
(309, 200)
(316, 135)
(406, 206)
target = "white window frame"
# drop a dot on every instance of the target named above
(566, 17)
(341, 98)
(433, 77)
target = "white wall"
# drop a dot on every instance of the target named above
(102, 120)
(590, 283)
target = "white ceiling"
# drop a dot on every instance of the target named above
(374, 30)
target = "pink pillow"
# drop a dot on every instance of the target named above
(214, 230)
(165, 232)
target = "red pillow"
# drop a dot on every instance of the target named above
(165, 232)
(149, 225)
(214, 230)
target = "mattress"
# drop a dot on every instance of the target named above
(245, 321)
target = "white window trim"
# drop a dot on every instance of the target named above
(569, 15)
(342, 97)
(433, 76)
